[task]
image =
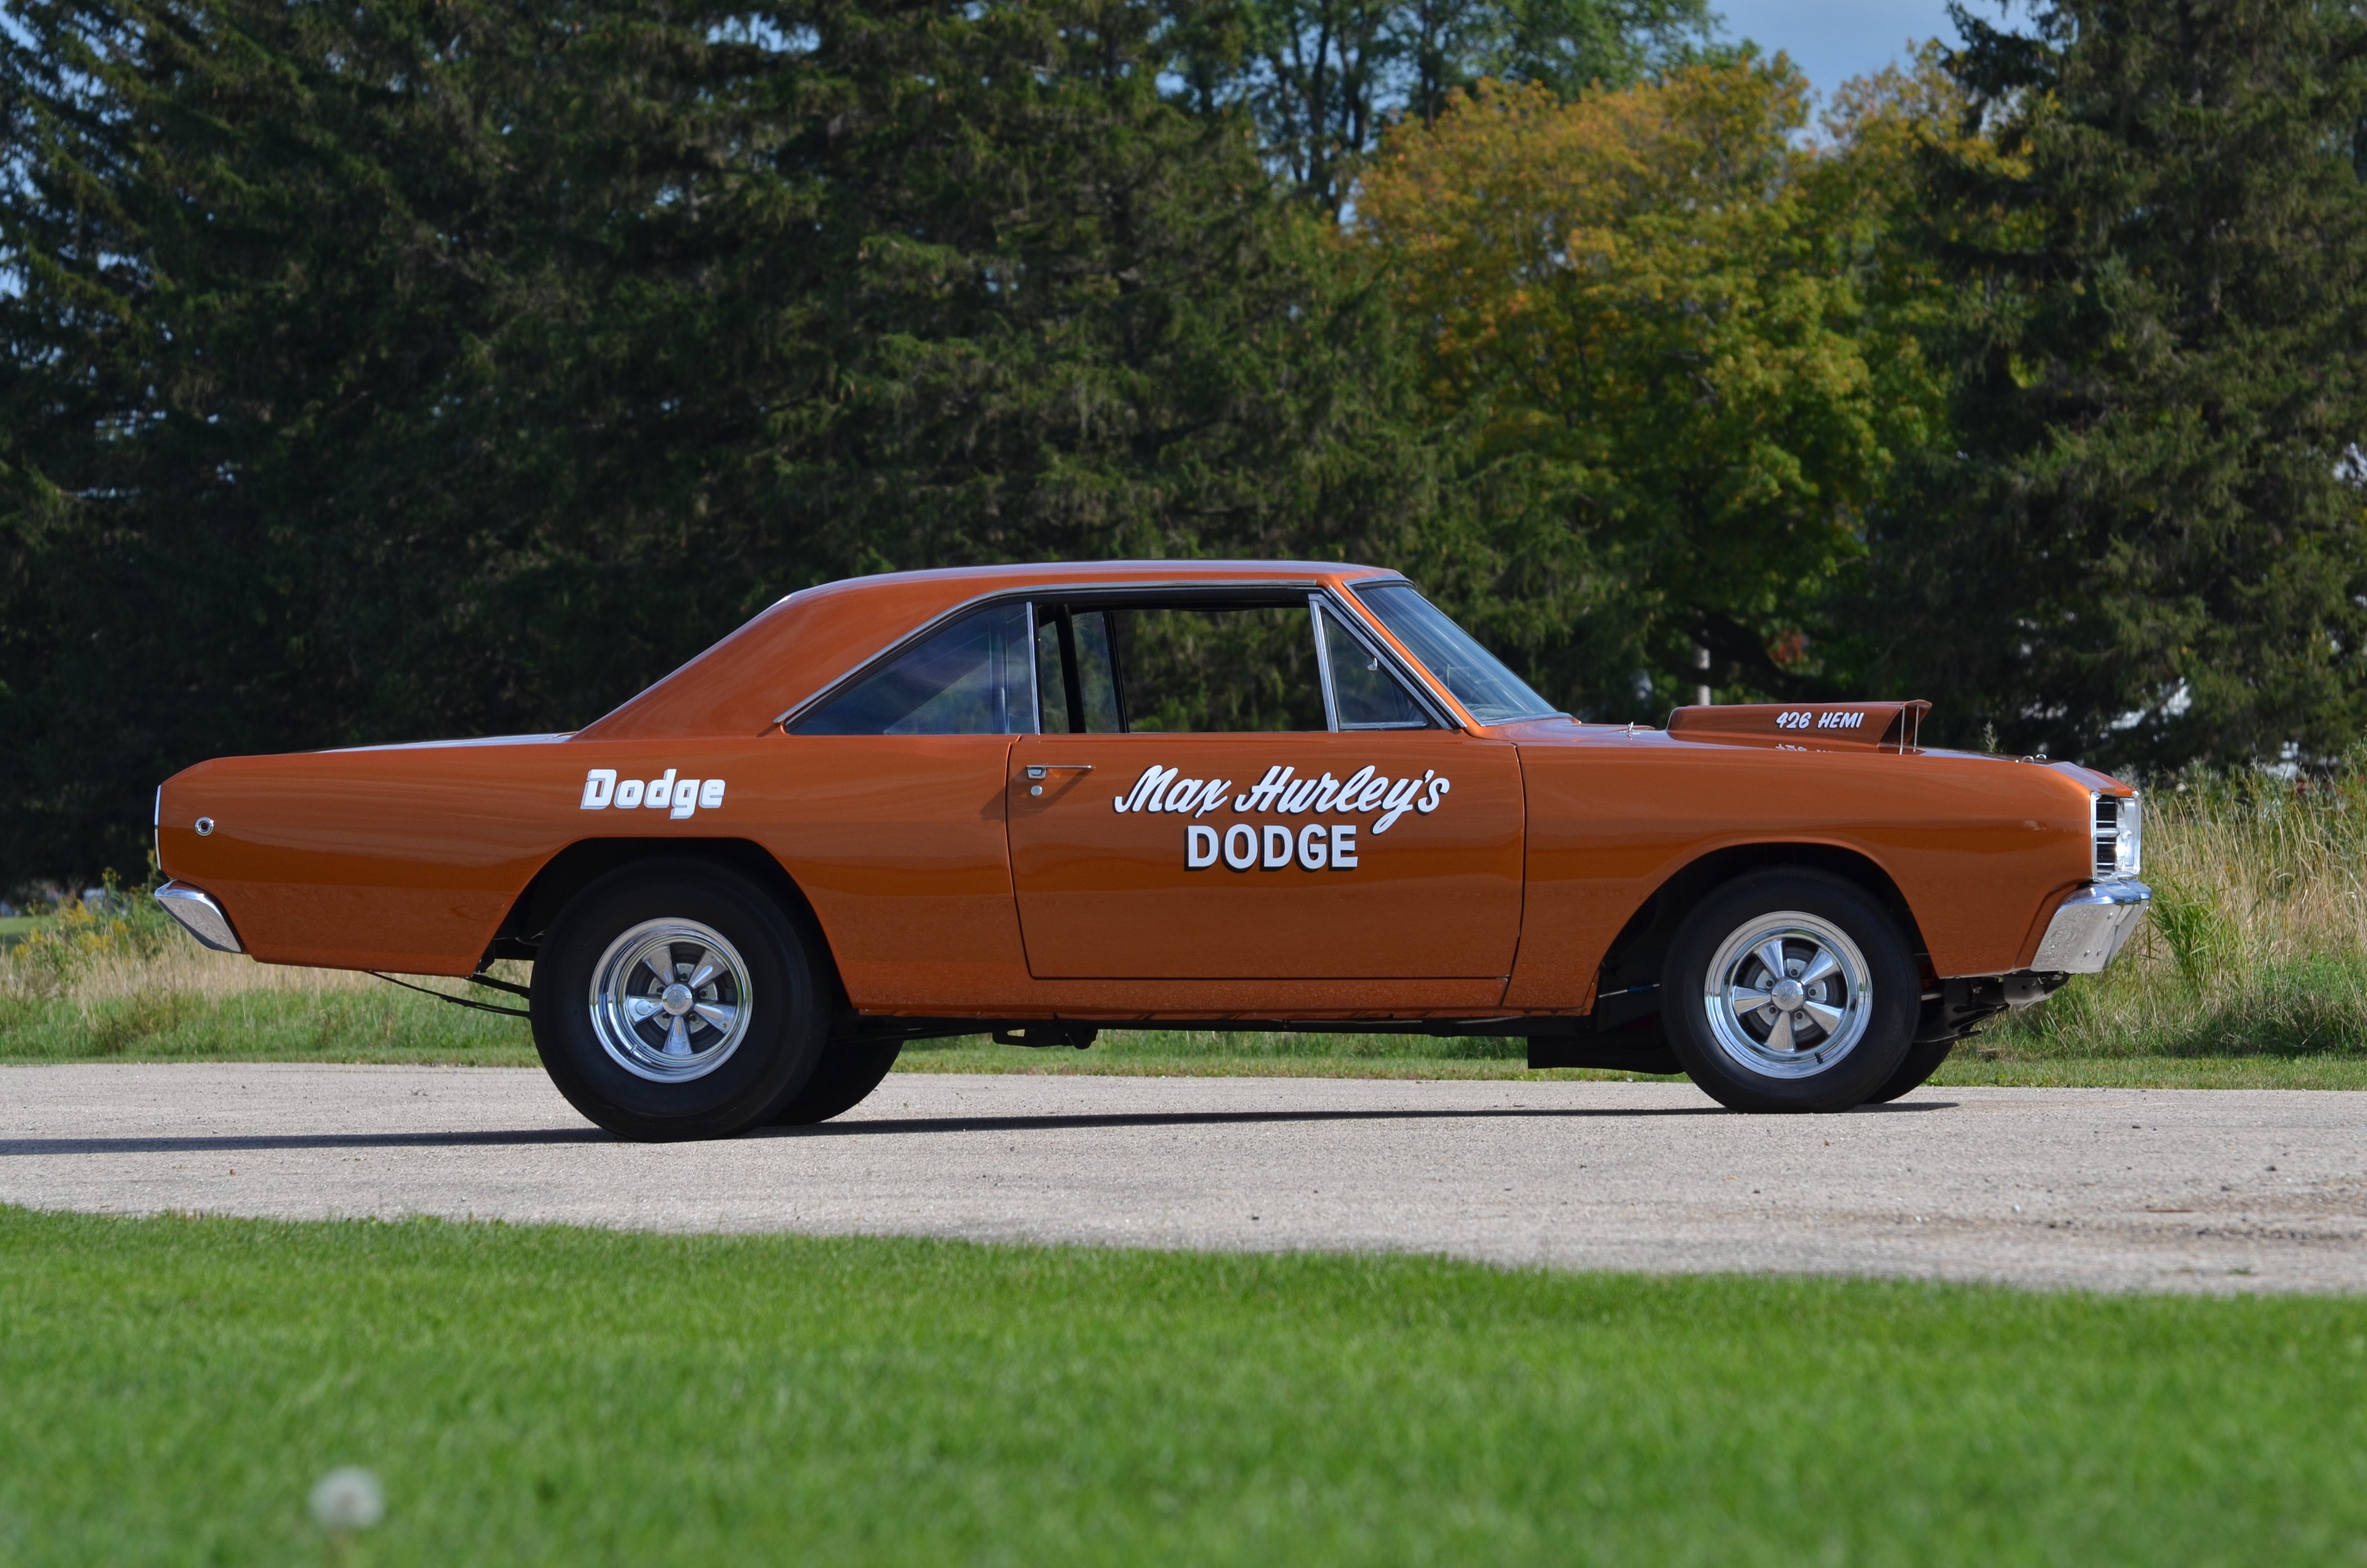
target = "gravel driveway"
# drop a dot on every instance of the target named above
(2113, 1189)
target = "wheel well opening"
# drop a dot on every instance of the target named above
(1632, 964)
(578, 865)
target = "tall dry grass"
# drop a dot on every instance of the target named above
(118, 979)
(2256, 942)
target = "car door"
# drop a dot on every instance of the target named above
(1243, 787)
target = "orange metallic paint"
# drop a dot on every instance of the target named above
(1110, 894)
(408, 859)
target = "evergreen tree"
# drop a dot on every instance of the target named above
(1326, 77)
(2143, 540)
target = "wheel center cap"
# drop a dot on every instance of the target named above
(676, 998)
(1788, 994)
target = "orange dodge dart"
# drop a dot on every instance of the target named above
(1038, 800)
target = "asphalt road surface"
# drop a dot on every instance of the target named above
(2145, 1189)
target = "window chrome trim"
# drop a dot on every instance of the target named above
(1114, 592)
(1323, 663)
(1036, 676)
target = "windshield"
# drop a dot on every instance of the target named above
(1488, 692)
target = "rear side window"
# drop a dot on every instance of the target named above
(972, 678)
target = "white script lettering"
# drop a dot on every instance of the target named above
(678, 798)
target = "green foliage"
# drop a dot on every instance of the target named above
(2197, 931)
(170, 1021)
(1644, 313)
(170, 1389)
(123, 926)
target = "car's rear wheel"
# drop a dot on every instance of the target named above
(842, 1080)
(1789, 991)
(675, 999)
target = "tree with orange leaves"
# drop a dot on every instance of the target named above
(1653, 305)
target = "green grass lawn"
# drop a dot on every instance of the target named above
(170, 1390)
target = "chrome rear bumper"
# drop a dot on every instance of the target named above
(200, 916)
(2088, 931)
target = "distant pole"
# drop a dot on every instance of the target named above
(1701, 663)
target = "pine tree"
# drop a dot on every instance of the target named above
(2144, 540)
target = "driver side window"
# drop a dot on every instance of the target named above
(1197, 665)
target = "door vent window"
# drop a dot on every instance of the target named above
(1366, 693)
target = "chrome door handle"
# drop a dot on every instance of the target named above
(1038, 770)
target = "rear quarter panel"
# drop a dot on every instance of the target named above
(402, 858)
(408, 858)
(1981, 848)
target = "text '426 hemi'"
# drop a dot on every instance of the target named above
(1038, 800)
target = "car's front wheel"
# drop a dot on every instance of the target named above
(676, 999)
(1921, 1061)
(844, 1080)
(1790, 991)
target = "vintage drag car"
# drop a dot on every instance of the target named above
(1040, 800)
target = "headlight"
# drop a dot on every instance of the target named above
(2120, 836)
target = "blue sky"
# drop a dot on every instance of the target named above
(1835, 40)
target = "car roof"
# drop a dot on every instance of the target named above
(815, 637)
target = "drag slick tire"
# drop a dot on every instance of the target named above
(843, 1079)
(675, 999)
(1790, 991)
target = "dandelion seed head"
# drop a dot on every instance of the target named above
(348, 1498)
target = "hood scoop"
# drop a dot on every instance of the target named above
(1806, 726)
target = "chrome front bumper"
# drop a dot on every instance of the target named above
(2087, 933)
(200, 916)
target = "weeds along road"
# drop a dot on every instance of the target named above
(2149, 1189)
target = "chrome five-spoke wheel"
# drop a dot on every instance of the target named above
(670, 1000)
(1787, 994)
